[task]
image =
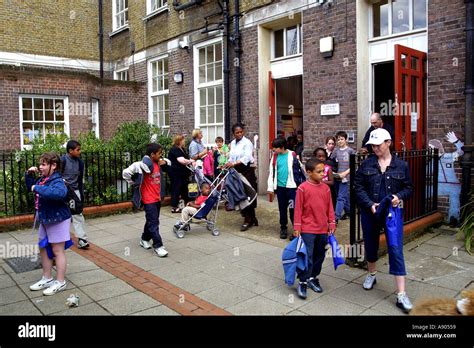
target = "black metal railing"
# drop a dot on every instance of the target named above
(423, 166)
(103, 183)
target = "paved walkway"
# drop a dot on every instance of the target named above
(236, 273)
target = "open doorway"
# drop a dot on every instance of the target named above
(384, 91)
(289, 108)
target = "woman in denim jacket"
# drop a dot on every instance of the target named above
(54, 217)
(380, 175)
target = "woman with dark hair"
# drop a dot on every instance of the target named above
(241, 158)
(178, 172)
(330, 145)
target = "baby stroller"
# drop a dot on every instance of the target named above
(208, 211)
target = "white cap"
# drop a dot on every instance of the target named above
(378, 136)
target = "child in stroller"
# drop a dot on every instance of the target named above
(192, 207)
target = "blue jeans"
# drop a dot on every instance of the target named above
(343, 201)
(152, 224)
(316, 250)
(286, 199)
(371, 228)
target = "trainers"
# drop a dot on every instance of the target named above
(302, 288)
(283, 233)
(161, 251)
(42, 284)
(82, 243)
(313, 284)
(369, 282)
(403, 302)
(54, 288)
(145, 244)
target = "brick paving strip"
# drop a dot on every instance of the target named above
(169, 295)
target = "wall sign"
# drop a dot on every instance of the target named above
(329, 109)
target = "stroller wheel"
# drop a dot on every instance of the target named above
(179, 232)
(210, 226)
(215, 232)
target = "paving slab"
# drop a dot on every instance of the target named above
(159, 310)
(198, 282)
(432, 250)
(446, 241)
(129, 303)
(88, 309)
(107, 289)
(228, 271)
(356, 294)
(226, 295)
(462, 256)
(329, 305)
(6, 281)
(89, 277)
(26, 277)
(343, 272)
(175, 271)
(385, 282)
(388, 307)
(296, 313)
(427, 267)
(286, 296)
(257, 282)
(11, 295)
(418, 290)
(19, 308)
(57, 302)
(259, 306)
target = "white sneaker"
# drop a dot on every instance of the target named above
(145, 244)
(54, 288)
(161, 251)
(42, 284)
(403, 302)
(369, 282)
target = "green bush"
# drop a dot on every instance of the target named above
(136, 135)
(467, 226)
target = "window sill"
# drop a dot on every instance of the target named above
(274, 60)
(405, 33)
(119, 30)
(155, 13)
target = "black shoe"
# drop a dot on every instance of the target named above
(283, 233)
(314, 285)
(82, 243)
(345, 217)
(302, 288)
(244, 227)
(255, 222)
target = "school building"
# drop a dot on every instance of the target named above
(316, 66)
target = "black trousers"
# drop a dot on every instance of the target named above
(249, 173)
(152, 224)
(286, 199)
(179, 187)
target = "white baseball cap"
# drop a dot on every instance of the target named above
(378, 136)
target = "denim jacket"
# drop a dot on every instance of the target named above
(52, 206)
(368, 180)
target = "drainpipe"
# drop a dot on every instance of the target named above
(225, 10)
(101, 41)
(178, 7)
(466, 160)
(238, 51)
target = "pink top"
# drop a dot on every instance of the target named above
(327, 168)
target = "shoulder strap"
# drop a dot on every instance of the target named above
(63, 164)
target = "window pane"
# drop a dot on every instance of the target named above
(59, 127)
(48, 104)
(278, 43)
(167, 118)
(59, 104)
(219, 114)
(211, 135)
(210, 73)
(49, 115)
(400, 16)
(155, 118)
(202, 96)
(59, 113)
(27, 103)
(210, 114)
(202, 115)
(160, 67)
(166, 65)
(49, 128)
(38, 103)
(218, 52)
(28, 134)
(414, 63)
(166, 86)
(291, 41)
(219, 99)
(202, 74)
(210, 54)
(380, 18)
(27, 115)
(202, 56)
(210, 96)
(218, 72)
(39, 115)
(166, 101)
(419, 14)
(159, 84)
(154, 69)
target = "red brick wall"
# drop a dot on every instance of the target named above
(119, 101)
(328, 80)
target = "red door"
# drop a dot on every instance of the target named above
(410, 99)
(271, 110)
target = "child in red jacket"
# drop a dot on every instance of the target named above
(314, 219)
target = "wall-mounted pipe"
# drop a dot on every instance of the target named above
(101, 41)
(178, 7)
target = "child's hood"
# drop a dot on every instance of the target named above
(148, 164)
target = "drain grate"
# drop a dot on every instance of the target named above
(24, 264)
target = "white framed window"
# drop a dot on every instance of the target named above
(42, 115)
(121, 75)
(120, 14)
(286, 42)
(158, 87)
(390, 17)
(156, 5)
(209, 90)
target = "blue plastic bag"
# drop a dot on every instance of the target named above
(337, 253)
(394, 226)
(44, 243)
